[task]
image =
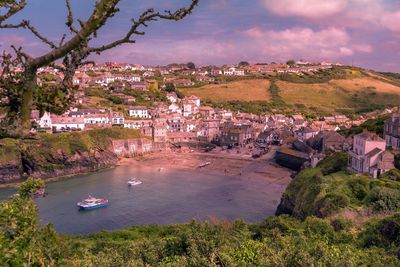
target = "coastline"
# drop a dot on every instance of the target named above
(222, 163)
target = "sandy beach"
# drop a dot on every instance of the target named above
(225, 162)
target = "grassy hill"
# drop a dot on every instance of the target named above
(244, 90)
(340, 90)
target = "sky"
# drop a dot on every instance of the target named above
(363, 33)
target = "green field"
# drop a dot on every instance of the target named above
(351, 94)
(245, 90)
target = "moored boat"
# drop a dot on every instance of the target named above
(204, 164)
(134, 181)
(92, 203)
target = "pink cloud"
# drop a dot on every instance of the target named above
(392, 21)
(14, 39)
(359, 14)
(330, 43)
(311, 9)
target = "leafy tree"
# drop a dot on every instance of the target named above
(170, 87)
(291, 62)
(72, 49)
(191, 66)
(243, 64)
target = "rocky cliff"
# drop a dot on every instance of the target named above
(56, 166)
(50, 156)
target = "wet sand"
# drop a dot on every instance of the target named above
(222, 163)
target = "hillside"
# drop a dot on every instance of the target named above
(329, 190)
(54, 155)
(344, 91)
(244, 90)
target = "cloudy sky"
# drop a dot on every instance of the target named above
(360, 32)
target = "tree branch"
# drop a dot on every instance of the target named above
(13, 8)
(70, 17)
(147, 16)
(26, 24)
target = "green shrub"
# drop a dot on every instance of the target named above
(385, 199)
(335, 162)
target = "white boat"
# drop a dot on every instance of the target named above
(204, 164)
(134, 181)
(92, 203)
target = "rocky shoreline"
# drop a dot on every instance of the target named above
(58, 165)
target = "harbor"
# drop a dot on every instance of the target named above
(177, 194)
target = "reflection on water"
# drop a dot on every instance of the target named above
(163, 198)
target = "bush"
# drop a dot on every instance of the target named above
(385, 199)
(335, 162)
(331, 203)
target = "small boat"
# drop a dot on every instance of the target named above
(204, 164)
(134, 181)
(92, 203)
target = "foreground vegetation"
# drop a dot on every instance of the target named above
(308, 240)
(329, 189)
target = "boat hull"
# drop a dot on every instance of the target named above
(93, 207)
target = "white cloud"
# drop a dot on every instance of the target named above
(312, 9)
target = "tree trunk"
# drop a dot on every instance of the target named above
(19, 124)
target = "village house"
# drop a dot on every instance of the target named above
(392, 131)
(65, 123)
(299, 121)
(172, 97)
(235, 135)
(117, 118)
(190, 107)
(269, 137)
(305, 133)
(369, 156)
(190, 125)
(232, 71)
(44, 121)
(138, 124)
(148, 74)
(160, 128)
(206, 112)
(329, 141)
(208, 130)
(96, 118)
(216, 71)
(139, 86)
(174, 108)
(139, 112)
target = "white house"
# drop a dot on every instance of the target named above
(172, 97)
(369, 155)
(233, 72)
(117, 118)
(96, 119)
(137, 124)
(139, 112)
(64, 123)
(44, 121)
(174, 108)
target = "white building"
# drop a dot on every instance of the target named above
(139, 112)
(64, 123)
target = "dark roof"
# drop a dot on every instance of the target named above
(374, 152)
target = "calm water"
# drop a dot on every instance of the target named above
(163, 198)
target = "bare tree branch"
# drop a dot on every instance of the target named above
(26, 24)
(70, 17)
(147, 16)
(13, 8)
